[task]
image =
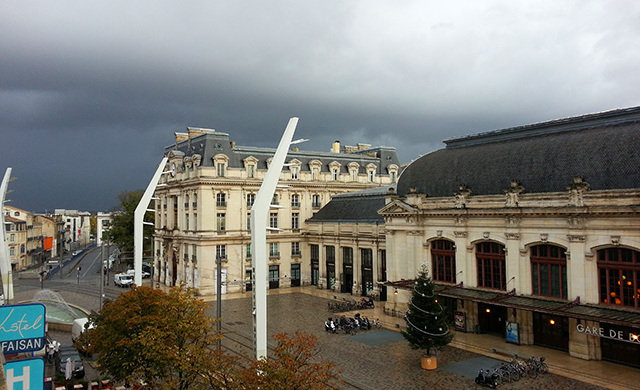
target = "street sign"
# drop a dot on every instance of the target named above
(25, 374)
(22, 328)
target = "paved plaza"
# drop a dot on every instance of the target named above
(374, 359)
(364, 363)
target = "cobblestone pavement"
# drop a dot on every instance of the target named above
(389, 366)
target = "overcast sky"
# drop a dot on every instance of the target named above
(92, 91)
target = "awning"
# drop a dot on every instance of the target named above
(574, 309)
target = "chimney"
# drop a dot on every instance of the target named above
(335, 148)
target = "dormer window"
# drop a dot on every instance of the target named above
(220, 169)
(294, 168)
(220, 161)
(251, 164)
(354, 167)
(393, 172)
(334, 168)
(371, 172)
(315, 166)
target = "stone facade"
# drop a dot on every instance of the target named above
(550, 248)
(203, 206)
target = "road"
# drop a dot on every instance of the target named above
(81, 275)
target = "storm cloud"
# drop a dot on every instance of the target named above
(91, 92)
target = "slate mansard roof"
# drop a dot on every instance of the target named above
(211, 143)
(603, 148)
(357, 206)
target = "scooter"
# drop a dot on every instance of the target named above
(330, 326)
(487, 380)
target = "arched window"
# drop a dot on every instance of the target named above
(443, 261)
(491, 265)
(619, 271)
(549, 271)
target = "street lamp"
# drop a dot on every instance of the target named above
(5, 266)
(259, 214)
(138, 222)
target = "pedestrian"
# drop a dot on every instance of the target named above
(68, 369)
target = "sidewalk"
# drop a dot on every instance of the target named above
(600, 373)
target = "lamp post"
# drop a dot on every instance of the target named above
(5, 265)
(138, 222)
(259, 214)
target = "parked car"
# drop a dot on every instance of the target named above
(145, 274)
(146, 269)
(69, 352)
(123, 280)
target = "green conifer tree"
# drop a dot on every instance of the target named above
(427, 325)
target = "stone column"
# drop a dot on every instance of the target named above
(513, 262)
(582, 345)
(576, 272)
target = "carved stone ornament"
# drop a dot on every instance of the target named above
(461, 220)
(544, 237)
(460, 234)
(577, 190)
(196, 158)
(513, 220)
(512, 236)
(577, 221)
(576, 237)
(462, 196)
(512, 193)
(615, 240)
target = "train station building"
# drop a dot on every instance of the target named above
(532, 233)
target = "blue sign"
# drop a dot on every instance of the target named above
(22, 327)
(25, 374)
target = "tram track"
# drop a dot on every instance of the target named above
(244, 341)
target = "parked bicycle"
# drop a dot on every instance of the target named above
(513, 371)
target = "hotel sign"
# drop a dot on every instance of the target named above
(22, 328)
(620, 335)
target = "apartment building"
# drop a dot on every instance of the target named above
(202, 207)
(30, 237)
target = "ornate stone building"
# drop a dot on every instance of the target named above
(347, 243)
(203, 207)
(532, 233)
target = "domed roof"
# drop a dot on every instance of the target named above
(603, 148)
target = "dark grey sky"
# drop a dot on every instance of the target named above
(92, 91)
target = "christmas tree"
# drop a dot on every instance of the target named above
(427, 326)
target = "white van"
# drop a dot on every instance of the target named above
(79, 326)
(123, 280)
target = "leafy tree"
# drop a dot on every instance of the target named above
(155, 338)
(161, 340)
(122, 221)
(295, 365)
(427, 326)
